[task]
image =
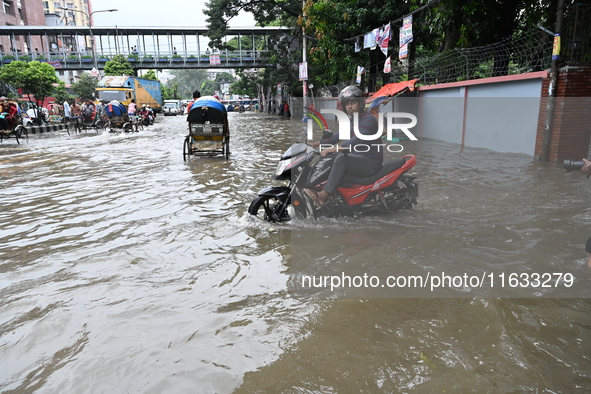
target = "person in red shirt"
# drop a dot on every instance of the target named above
(196, 95)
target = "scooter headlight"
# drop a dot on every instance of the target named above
(282, 166)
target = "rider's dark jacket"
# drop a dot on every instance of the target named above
(368, 125)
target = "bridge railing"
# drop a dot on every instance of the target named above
(88, 59)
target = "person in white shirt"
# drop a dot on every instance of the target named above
(67, 111)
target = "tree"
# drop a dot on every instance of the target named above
(189, 80)
(85, 87)
(248, 84)
(60, 93)
(219, 12)
(119, 66)
(245, 43)
(34, 78)
(170, 91)
(150, 74)
(207, 88)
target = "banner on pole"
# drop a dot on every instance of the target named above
(387, 65)
(304, 71)
(360, 71)
(405, 37)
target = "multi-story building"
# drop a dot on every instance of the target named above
(77, 13)
(21, 12)
(70, 17)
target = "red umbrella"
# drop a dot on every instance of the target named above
(393, 89)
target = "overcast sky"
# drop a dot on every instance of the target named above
(157, 13)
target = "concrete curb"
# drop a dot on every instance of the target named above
(46, 128)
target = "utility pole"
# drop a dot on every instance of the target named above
(553, 81)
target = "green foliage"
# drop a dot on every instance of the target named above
(150, 74)
(248, 84)
(207, 88)
(119, 66)
(85, 87)
(189, 80)
(34, 78)
(246, 43)
(170, 91)
(60, 93)
(219, 12)
(332, 26)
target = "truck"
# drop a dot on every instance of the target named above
(125, 88)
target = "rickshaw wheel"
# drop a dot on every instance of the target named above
(186, 148)
(19, 131)
(139, 126)
(227, 148)
(127, 127)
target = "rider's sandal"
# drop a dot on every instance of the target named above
(314, 196)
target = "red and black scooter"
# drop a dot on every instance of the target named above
(390, 189)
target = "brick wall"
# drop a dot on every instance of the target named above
(571, 126)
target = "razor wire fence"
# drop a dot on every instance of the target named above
(530, 51)
(525, 51)
(576, 43)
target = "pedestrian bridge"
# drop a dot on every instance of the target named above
(83, 48)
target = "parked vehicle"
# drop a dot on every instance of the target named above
(389, 190)
(171, 108)
(125, 88)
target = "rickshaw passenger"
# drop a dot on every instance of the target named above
(87, 109)
(10, 114)
(4, 123)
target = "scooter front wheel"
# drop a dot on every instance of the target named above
(270, 209)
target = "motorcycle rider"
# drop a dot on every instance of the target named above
(366, 161)
(145, 114)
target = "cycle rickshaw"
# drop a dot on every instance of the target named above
(118, 117)
(15, 123)
(90, 117)
(209, 134)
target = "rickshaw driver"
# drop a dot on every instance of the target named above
(196, 95)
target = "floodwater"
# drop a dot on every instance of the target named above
(124, 269)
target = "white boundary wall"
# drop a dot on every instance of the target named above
(499, 113)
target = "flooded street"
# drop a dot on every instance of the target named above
(124, 269)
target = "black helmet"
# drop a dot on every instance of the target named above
(351, 93)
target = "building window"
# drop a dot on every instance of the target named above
(46, 5)
(6, 6)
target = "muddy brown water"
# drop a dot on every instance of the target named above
(124, 269)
